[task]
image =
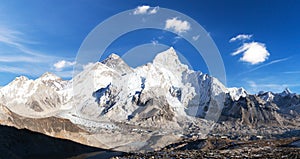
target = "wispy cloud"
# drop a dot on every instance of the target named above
(11, 37)
(33, 72)
(145, 9)
(255, 87)
(18, 70)
(15, 39)
(154, 42)
(177, 25)
(253, 52)
(241, 37)
(176, 39)
(17, 58)
(154, 10)
(267, 64)
(23, 54)
(292, 72)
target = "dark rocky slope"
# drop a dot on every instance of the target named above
(22, 143)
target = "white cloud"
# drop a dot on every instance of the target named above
(144, 9)
(141, 10)
(253, 52)
(179, 26)
(241, 37)
(196, 37)
(63, 64)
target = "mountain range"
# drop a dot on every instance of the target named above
(113, 106)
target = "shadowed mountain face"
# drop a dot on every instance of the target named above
(16, 143)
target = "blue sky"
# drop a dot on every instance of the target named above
(258, 40)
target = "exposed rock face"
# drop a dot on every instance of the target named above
(53, 126)
(111, 105)
(252, 111)
(286, 101)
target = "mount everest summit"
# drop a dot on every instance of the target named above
(113, 106)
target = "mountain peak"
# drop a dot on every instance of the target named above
(286, 92)
(115, 62)
(21, 78)
(112, 58)
(171, 49)
(170, 60)
(169, 54)
(236, 93)
(49, 76)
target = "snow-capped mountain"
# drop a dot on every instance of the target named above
(288, 102)
(120, 91)
(34, 97)
(111, 105)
